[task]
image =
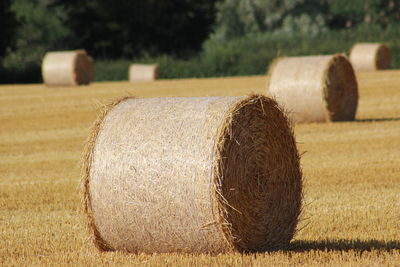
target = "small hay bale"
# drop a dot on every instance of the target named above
(143, 73)
(315, 88)
(65, 68)
(370, 57)
(195, 175)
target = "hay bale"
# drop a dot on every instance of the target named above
(315, 88)
(143, 73)
(208, 174)
(370, 57)
(64, 68)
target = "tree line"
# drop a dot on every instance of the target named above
(136, 29)
(126, 28)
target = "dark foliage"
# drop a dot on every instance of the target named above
(251, 55)
(125, 28)
(8, 25)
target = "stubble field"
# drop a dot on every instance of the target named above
(351, 170)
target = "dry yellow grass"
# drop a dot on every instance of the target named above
(352, 173)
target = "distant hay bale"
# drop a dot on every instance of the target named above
(195, 175)
(315, 88)
(143, 73)
(64, 68)
(370, 57)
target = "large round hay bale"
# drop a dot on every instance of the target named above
(143, 73)
(370, 57)
(315, 88)
(64, 68)
(208, 174)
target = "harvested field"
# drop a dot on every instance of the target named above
(351, 170)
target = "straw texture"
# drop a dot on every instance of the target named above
(65, 68)
(196, 175)
(143, 73)
(315, 88)
(370, 57)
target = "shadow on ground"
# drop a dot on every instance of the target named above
(344, 245)
(378, 120)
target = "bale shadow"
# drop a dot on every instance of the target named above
(378, 120)
(344, 245)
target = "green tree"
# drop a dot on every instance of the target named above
(40, 29)
(236, 18)
(126, 28)
(346, 13)
(8, 25)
